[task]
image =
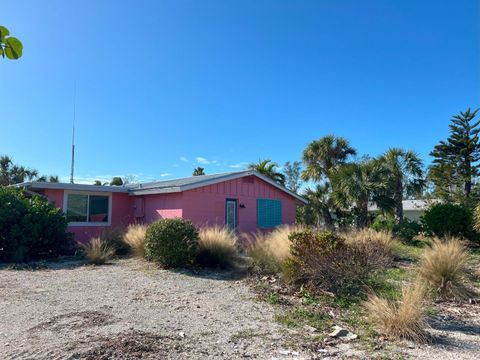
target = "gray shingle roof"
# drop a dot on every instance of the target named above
(165, 186)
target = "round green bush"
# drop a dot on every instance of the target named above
(383, 223)
(448, 219)
(171, 242)
(31, 228)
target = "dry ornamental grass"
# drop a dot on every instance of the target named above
(404, 318)
(217, 247)
(443, 268)
(98, 251)
(134, 237)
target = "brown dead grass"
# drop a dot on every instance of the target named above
(443, 268)
(401, 319)
(134, 237)
(217, 247)
(98, 251)
(269, 250)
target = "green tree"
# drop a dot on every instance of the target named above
(99, 183)
(268, 168)
(116, 181)
(359, 184)
(293, 173)
(457, 157)
(322, 158)
(405, 171)
(10, 46)
(198, 171)
(317, 211)
(14, 174)
(51, 178)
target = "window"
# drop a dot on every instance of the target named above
(87, 209)
(269, 213)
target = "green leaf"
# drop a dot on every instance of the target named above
(14, 48)
(2, 53)
(3, 32)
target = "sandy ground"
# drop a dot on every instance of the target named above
(131, 310)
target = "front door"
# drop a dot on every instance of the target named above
(231, 214)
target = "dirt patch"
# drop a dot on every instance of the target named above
(132, 345)
(75, 320)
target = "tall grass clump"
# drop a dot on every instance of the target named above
(379, 246)
(217, 248)
(113, 236)
(269, 251)
(134, 237)
(98, 251)
(442, 268)
(403, 318)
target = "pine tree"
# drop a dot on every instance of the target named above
(455, 163)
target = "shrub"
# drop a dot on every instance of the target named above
(443, 268)
(113, 236)
(448, 219)
(31, 228)
(326, 261)
(98, 251)
(407, 230)
(378, 246)
(383, 223)
(134, 237)
(217, 247)
(269, 251)
(171, 242)
(404, 318)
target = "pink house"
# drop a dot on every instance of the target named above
(244, 201)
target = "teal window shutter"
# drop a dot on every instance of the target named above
(269, 213)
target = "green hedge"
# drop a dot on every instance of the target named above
(449, 219)
(31, 228)
(171, 242)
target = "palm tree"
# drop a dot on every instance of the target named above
(268, 168)
(116, 181)
(321, 157)
(319, 205)
(405, 171)
(14, 174)
(361, 183)
(198, 171)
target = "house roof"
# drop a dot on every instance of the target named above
(162, 187)
(410, 205)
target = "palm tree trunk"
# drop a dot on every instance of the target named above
(327, 219)
(398, 197)
(362, 219)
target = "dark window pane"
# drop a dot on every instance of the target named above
(98, 208)
(77, 207)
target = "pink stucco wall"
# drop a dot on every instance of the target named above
(162, 206)
(206, 205)
(122, 214)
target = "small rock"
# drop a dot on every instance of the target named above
(309, 328)
(7, 344)
(181, 334)
(343, 334)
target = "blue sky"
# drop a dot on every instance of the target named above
(165, 86)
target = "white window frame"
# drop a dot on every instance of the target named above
(87, 223)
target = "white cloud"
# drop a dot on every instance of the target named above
(240, 165)
(202, 160)
(183, 158)
(165, 174)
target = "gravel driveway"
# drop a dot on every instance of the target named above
(131, 310)
(84, 312)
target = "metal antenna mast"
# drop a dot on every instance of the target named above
(73, 133)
